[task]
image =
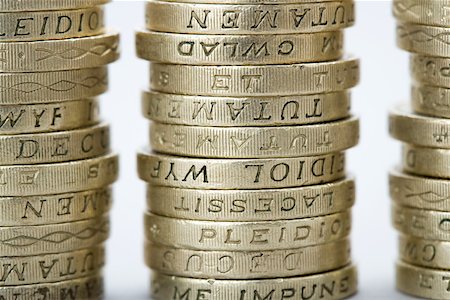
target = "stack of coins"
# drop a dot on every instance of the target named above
(247, 190)
(420, 188)
(55, 163)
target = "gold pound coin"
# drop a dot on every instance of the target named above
(52, 268)
(248, 265)
(226, 174)
(54, 238)
(431, 101)
(55, 209)
(54, 147)
(419, 192)
(51, 25)
(58, 178)
(252, 205)
(422, 282)
(422, 39)
(270, 80)
(418, 130)
(201, 49)
(254, 142)
(50, 117)
(49, 87)
(339, 284)
(249, 19)
(433, 71)
(59, 55)
(434, 13)
(247, 111)
(32, 5)
(426, 224)
(426, 161)
(425, 253)
(91, 288)
(247, 236)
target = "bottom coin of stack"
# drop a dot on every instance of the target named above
(248, 242)
(54, 205)
(421, 210)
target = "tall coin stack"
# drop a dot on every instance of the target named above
(55, 163)
(247, 191)
(420, 189)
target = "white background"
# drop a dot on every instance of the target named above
(385, 82)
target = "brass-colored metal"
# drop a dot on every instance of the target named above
(254, 142)
(431, 101)
(33, 5)
(339, 284)
(426, 161)
(55, 147)
(58, 178)
(269, 49)
(50, 117)
(428, 70)
(434, 13)
(54, 238)
(247, 236)
(232, 174)
(419, 192)
(248, 194)
(422, 39)
(49, 87)
(59, 55)
(425, 253)
(423, 282)
(240, 2)
(246, 111)
(270, 80)
(252, 205)
(52, 268)
(91, 288)
(54, 209)
(248, 265)
(253, 19)
(51, 25)
(425, 224)
(56, 166)
(418, 130)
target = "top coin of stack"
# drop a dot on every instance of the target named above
(246, 185)
(55, 163)
(420, 190)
